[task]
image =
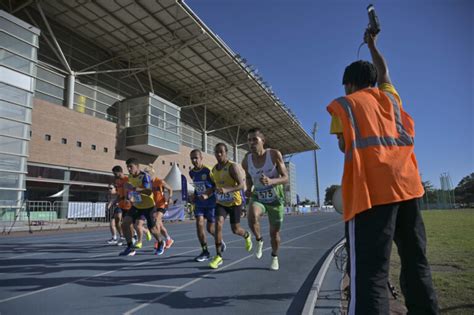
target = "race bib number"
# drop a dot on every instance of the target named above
(266, 194)
(135, 197)
(227, 197)
(200, 188)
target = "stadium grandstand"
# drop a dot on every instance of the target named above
(85, 85)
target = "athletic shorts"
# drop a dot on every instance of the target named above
(111, 213)
(233, 212)
(143, 214)
(275, 212)
(208, 213)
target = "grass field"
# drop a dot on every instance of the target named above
(450, 235)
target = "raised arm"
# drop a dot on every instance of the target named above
(377, 59)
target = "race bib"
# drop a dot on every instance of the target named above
(135, 197)
(200, 188)
(227, 197)
(266, 194)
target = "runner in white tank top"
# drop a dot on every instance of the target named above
(265, 193)
(266, 173)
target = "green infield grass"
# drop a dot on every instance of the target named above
(450, 235)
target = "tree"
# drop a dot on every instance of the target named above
(464, 191)
(329, 192)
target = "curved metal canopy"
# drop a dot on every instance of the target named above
(167, 40)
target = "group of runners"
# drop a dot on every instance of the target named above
(218, 192)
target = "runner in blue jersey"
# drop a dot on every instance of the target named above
(204, 201)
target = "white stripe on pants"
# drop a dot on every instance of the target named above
(352, 259)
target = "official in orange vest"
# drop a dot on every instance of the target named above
(381, 187)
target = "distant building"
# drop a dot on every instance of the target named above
(83, 97)
(290, 187)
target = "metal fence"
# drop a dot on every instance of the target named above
(43, 212)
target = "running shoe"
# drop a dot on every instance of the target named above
(121, 241)
(148, 235)
(203, 257)
(160, 248)
(259, 249)
(274, 265)
(138, 245)
(223, 247)
(129, 251)
(168, 243)
(216, 262)
(112, 241)
(248, 243)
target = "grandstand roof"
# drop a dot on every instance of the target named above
(169, 40)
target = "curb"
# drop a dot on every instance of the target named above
(312, 298)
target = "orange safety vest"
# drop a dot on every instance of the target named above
(380, 166)
(158, 189)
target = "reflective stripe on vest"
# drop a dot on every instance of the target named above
(404, 138)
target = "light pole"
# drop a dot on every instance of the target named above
(315, 129)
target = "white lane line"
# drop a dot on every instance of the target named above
(135, 284)
(80, 235)
(281, 247)
(97, 275)
(139, 264)
(23, 255)
(295, 247)
(66, 236)
(141, 306)
(176, 242)
(154, 285)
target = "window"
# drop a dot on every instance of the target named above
(78, 144)
(177, 164)
(184, 167)
(171, 163)
(106, 150)
(47, 137)
(163, 162)
(93, 147)
(31, 133)
(64, 141)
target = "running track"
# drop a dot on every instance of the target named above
(77, 273)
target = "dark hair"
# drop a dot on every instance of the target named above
(196, 151)
(117, 169)
(360, 73)
(132, 161)
(256, 130)
(221, 144)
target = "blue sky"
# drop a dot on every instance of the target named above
(301, 48)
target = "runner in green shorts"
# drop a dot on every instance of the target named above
(265, 174)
